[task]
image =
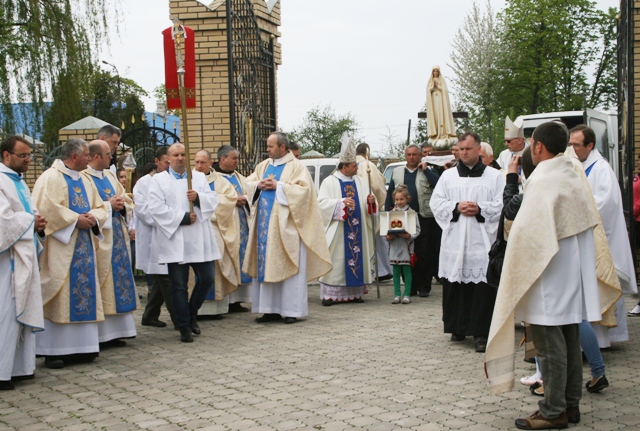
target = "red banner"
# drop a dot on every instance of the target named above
(171, 68)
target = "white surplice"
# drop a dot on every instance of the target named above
(466, 242)
(167, 201)
(146, 247)
(606, 193)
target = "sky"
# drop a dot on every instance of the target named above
(369, 58)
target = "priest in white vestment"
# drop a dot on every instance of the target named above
(286, 246)
(68, 265)
(117, 285)
(608, 197)
(228, 160)
(20, 236)
(516, 143)
(346, 208)
(467, 203)
(111, 135)
(184, 236)
(227, 270)
(147, 249)
(548, 280)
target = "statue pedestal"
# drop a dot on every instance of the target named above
(443, 144)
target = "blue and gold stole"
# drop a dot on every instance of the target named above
(82, 274)
(265, 205)
(244, 227)
(123, 284)
(353, 268)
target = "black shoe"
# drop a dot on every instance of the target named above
(599, 385)
(53, 362)
(531, 360)
(237, 307)
(573, 414)
(21, 378)
(537, 389)
(289, 320)
(113, 343)
(424, 294)
(269, 317)
(481, 344)
(358, 301)
(457, 337)
(385, 277)
(153, 322)
(195, 328)
(6, 385)
(185, 335)
(327, 302)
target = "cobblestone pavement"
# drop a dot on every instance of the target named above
(371, 366)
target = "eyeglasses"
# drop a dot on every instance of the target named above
(576, 145)
(508, 141)
(22, 156)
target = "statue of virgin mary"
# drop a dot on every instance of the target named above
(440, 126)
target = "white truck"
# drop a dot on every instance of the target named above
(604, 124)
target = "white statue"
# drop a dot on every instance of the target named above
(440, 126)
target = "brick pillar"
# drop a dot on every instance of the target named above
(209, 125)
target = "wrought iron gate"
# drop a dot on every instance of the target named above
(251, 84)
(144, 140)
(626, 112)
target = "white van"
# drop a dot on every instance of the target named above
(604, 124)
(320, 169)
(388, 172)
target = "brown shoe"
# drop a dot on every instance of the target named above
(538, 422)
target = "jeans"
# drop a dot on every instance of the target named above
(591, 349)
(186, 309)
(561, 365)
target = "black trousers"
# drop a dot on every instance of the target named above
(160, 293)
(467, 308)
(427, 248)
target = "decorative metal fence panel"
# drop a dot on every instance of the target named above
(251, 84)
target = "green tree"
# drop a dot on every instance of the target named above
(114, 99)
(550, 45)
(475, 57)
(46, 42)
(321, 130)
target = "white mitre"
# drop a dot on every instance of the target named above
(348, 149)
(513, 130)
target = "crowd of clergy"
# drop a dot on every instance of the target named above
(211, 239)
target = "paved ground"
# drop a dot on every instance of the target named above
(371, 366)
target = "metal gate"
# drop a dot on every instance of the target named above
(626, 112)
(251, 84)
(144, 140)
